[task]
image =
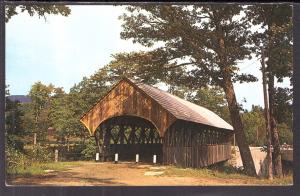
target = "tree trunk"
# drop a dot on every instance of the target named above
(246, 156)
(274, 131)
(267, 119)
(96, 135)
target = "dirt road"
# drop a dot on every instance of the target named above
(121, 174)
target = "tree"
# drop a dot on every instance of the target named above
(212, 98)
(276, 39)
(81, 98)
(40, 95)
(60, 115)
(286, 134)
(194, 46)
(283, 106)
(254, 123)
(13, 123)
(40, 10)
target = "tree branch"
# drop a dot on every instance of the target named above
(179, 65)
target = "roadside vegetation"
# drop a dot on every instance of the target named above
(35, 162)
(229, 174)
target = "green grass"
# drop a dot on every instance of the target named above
(204, 173)
(216, 174)
(39, 168)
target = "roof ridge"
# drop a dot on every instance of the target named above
(176, 97)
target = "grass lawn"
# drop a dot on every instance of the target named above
(40, 168)
(227, 176)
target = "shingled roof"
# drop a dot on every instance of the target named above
(183, 109)
(121, 100)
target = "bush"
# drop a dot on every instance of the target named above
(40, 154)
(225, 167)
(89, 149)
(15, 142)
(15, 160)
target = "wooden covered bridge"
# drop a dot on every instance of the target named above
(135, 118)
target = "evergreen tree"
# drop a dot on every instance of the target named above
(275, 37)
(194, 46)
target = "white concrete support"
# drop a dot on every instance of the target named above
(97, 156)
(154, 159)
(56, 155)
(116, 158)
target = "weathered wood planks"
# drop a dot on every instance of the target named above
(126, 99)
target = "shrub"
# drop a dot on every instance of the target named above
(40, 154)
(15, 142)
(89, 149)
(225, 167)
(15, 160)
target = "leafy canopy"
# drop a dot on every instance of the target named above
(40, 10)
(188, 42)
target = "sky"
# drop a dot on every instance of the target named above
(62, 50)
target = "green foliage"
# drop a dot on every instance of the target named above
(60, 115)
(28, 122)
(255, 128)
(212, 98)
(40, 154)
(89, 149)
(15, 142)
(40, 10)
(254, 124)
(190, 36)
(285, 134)
(37, 168)
(225, 167)
(17, 163)
(40, 95)
(275, 34)
(224, 177)
(13, 116)
(14, 159)
(14, 129)
(283, 106)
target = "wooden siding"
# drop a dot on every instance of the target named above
(196, 156)
(127, 99)
(190, 145)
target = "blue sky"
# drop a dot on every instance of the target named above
(62, 50)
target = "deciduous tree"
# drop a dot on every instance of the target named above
(39, 9)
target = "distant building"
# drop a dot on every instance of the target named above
(20, 98)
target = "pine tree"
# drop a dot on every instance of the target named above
(194, 46)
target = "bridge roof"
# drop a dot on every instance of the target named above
(170, 107)
(183, 109)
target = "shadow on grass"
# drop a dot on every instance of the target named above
(60, 179)
(226, 168)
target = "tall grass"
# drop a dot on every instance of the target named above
(34, 162)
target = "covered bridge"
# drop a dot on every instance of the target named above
(135, 118)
